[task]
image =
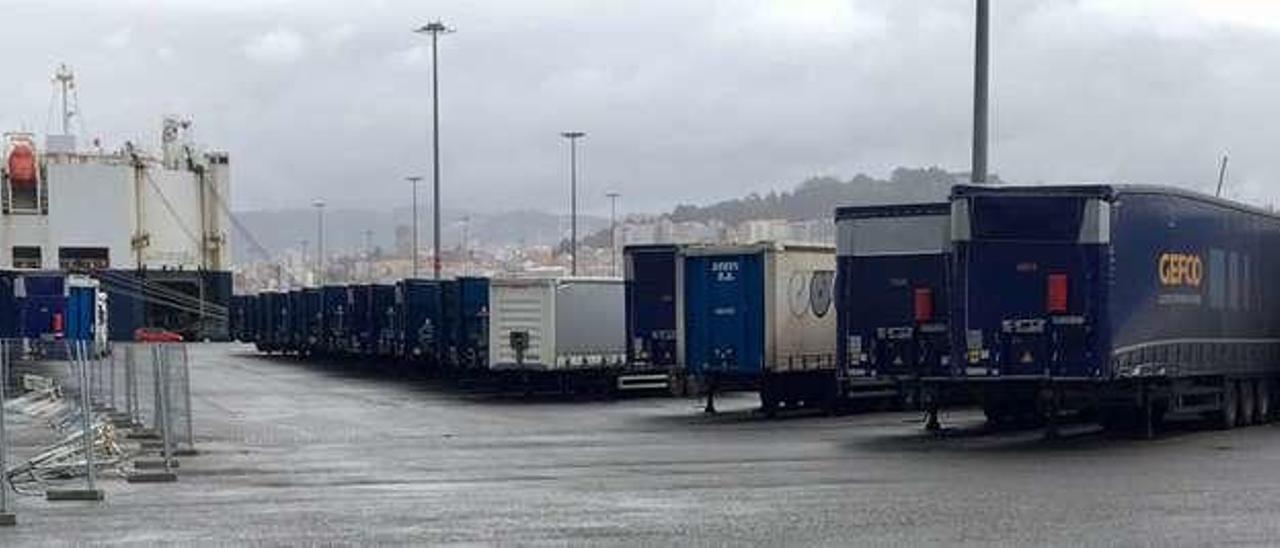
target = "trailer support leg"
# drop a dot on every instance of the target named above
(711, 396)
(931, 404)
(1052, 409)
(1146, 414)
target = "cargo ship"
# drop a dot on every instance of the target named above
(152, 228)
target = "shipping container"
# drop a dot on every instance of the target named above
(419, 306)
(891, 297)
(335, 317)
(470, 329)
(1127, 302)
(556, 324)
(761, 316)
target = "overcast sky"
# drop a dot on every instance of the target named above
(683, 101)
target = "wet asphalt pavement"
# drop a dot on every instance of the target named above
(296, 454)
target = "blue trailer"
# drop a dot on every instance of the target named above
(85, 312)
(470, 325)
(654, 305)
(308, 322)
(8, 306)
(420, 333)
(760, 316)
(891, 298)
(360, 329)
(42, 305)
(383, 319)
(273, 321)
(236, 325)
(1123, 302)
(335, 319)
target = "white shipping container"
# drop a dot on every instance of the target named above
(563, 323)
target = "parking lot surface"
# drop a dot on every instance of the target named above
(295, 453)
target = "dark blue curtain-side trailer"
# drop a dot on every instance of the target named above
(473, 323)
(892, 297)
(334, 319)
(652, 274)
(724, 318)
(236, 318)
(418, 302)
(1129, 302)
(384, 315)
(312, 321)
(296, 322)
(268, 312)
(360, 328)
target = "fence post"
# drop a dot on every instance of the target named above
(7, 517)
(76, 356)
(184, 385)
(160, 423)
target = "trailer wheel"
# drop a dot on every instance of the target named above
(768, 401)
(1262, 402)
(1244, 417)
(1227, 415)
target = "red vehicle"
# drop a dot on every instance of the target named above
(155, 334)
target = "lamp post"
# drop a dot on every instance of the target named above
(978, 172)
(613, 232)
(413, 180)
(573, 137)
(435, 29)
(319, 205)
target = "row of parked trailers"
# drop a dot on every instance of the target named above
(1126, 303)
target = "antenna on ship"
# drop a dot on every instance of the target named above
(65, 80)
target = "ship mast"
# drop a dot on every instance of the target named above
(66, 80)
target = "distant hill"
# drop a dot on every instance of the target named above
(818, 197)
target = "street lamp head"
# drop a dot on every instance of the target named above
(434, 27)
(317, 203)
(572, 134)
(413, 178)
(612, 195)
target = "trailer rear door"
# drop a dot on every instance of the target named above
(725, 314)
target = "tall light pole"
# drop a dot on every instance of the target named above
(573, 137)
(613, 233)
(319, 205)
(435, 29)
(978, 171)
(413, 180)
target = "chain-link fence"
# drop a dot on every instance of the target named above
(74, 411)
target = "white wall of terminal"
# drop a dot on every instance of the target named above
(154, 216)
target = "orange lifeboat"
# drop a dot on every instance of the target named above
(22, 164)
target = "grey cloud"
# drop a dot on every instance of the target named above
(683, 101)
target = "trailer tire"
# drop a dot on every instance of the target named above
(1227, 415)
(1262, 402)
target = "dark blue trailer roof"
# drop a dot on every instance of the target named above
(892, 210)
(1105, 191)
